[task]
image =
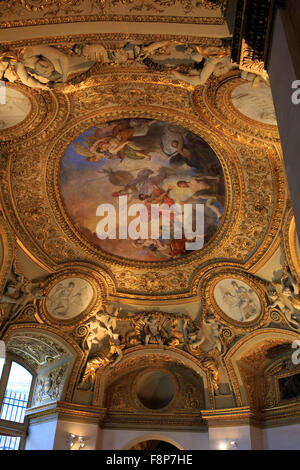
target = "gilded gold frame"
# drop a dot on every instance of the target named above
(211, 305)
(53, 167)
(93, 307)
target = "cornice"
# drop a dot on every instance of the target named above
(179, 421)
(231, 417)
(67, 411)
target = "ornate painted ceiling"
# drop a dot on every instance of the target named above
(159, 117)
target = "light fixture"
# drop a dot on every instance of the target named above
(228, 445)
(223, 445)
(76, 442)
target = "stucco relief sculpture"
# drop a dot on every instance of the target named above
(41, 66)
(284, 296)
(237, 300)
(209, 61)
(20, 292)
(103, 346)
(205, 338)
(191, 63)
(106, 336)
(69, 298)
(49, 386)
(45, 67)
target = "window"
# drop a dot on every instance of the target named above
(9, 443)
(15, 389)
(16, 394)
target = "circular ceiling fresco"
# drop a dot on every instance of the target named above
(15, 106)
(112, 177)
(237, 300)
(69, 298)
(255, 103)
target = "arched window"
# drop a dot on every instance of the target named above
(15, 393)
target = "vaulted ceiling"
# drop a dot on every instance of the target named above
(79, 74)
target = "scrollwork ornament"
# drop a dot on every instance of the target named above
(275, 315)
(28, 313)
(81, 332)
(227, 336)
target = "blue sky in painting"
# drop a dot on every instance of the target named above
(71, 157)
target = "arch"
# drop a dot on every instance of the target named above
(135, 357)
(150, 437)
(5, 385)
(268, 337)
(65, 342)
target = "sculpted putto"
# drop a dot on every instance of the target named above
(284, 295)
(216, 61)
(109, 334)
(203, 339)
(103, 346)
(20, 292)
(44, 67)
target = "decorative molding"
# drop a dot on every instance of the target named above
(290, 243)
(258, 286)
(40, 228)
(231, 417)
(253, 24)
(92, 278)
(71, 11)
(7, 241)
(257, 341)
(176, 421)
(67, 411)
